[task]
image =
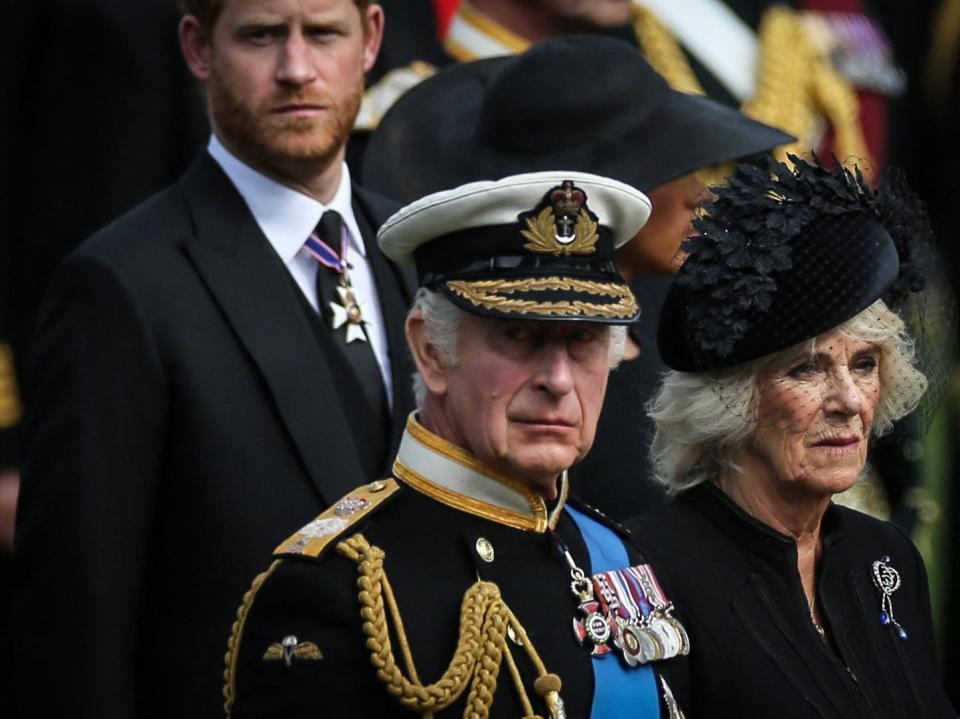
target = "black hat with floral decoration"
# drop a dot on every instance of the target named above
(786, 253)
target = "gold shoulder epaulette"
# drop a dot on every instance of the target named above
(312, 539)
(380, 96)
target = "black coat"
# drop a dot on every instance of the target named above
(182, 419)
(754, 650)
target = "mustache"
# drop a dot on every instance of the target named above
(299, 97)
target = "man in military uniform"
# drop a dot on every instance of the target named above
(470, 583)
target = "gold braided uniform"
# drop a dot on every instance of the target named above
(435, 591)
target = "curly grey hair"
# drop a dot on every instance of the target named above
(704, 418)
(442, 324)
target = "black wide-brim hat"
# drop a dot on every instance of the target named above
(535, 246)
(586, 103)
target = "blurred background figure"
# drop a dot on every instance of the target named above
(927, 38)
(99, 112)
(10, 413)
(411, 52)
(791, 66)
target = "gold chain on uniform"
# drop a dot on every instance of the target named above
(796, 85)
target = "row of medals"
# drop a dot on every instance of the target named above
(640, 639)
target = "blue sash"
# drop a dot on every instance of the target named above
(619, 690)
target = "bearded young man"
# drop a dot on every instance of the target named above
(201, 384)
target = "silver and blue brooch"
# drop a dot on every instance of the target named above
(887, 581)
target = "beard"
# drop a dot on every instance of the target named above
(288, 146)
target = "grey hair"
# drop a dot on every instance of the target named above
(704, 418)
(441, 324)
(617, 346)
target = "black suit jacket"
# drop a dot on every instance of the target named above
(181, 422)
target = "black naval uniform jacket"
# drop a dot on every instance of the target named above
(756, 653)
(433, 539)
(183, 417)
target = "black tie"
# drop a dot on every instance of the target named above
(358, 354)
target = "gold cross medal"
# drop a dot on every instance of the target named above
(347, 312)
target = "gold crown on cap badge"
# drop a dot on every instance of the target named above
(564, 225)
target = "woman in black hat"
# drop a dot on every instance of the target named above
(794, 331)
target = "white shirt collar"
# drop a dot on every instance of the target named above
(286, 216)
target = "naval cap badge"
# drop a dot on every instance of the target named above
(561, 224)
(567, 201)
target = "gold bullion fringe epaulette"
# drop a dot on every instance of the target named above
(382, 95)
(236, 631)
(485, 620)
(312, 539)
(796, 86)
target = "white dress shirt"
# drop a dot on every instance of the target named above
(287, 217)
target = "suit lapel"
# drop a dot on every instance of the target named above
(252, 287)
